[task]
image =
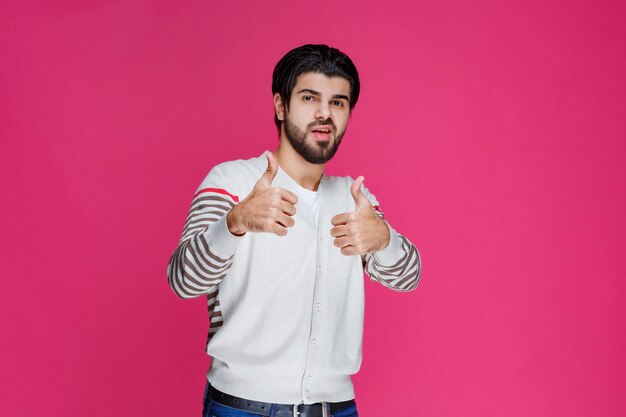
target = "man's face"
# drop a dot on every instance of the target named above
(318, 115)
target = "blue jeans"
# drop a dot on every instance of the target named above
(214, 409)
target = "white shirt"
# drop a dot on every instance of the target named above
(310, 199)
(286, 312)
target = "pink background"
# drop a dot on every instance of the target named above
(492, 134)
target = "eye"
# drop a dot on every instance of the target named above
(338, 103)
(308, 98)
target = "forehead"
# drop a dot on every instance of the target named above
(321, 83)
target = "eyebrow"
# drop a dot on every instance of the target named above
(318, 94)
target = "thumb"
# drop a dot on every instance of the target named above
(359, 198)
(269, 174)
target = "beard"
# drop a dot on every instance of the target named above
(318, 152)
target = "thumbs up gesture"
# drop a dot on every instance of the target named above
(266, 208)
(360, 231)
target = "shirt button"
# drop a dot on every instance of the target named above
(318, 307)
(309, 378)
(314, 342)
(307, 393)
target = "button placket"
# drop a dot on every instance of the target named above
(315, 347)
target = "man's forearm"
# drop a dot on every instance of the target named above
(398, 266)
(204, 255)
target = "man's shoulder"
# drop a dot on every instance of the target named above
(342, 184)
(236, 176)
(240, 170)
(239, 166)
(338, 181)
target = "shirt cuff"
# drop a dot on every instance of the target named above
(393, 252)
(221, 241)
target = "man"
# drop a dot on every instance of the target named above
(280, 248)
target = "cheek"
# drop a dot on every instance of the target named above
(302, 118)
(341, 122)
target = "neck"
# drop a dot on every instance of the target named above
(306, 174)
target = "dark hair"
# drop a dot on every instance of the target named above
(313, 58)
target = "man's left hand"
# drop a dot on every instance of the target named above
(361, 231)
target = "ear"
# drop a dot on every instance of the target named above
(279, 107)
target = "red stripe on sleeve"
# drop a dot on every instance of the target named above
(218, 191)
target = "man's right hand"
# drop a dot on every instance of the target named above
(266, 208)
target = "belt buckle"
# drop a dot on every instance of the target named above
(325, 410)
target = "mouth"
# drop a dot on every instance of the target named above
(322, 133)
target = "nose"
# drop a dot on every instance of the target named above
(323, 111)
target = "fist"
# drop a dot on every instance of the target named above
(266, 209)
(361, 231)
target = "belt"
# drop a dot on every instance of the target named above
(280, 410)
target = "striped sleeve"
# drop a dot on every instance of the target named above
(204, 254)
(399, 265)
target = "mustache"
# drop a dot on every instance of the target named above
(327, 122)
